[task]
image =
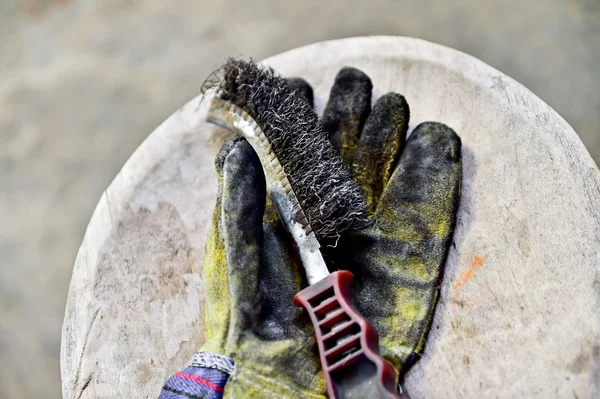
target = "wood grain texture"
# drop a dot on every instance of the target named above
(519, 314)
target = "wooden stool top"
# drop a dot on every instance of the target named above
(519, 314)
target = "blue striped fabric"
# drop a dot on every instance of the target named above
(195, 383)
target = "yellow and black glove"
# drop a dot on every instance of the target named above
(256, 337)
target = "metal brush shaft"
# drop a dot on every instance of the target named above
(232, 117)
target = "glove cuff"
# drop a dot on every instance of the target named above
(209, 360)
(204, 378)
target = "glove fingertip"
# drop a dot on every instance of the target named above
(394, 104)
(228, 145)
(243, 173)
(439, 136)
(349, 77)
(303, 88)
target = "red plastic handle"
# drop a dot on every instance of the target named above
(348, 344)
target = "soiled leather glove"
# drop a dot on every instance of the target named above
(413, 188)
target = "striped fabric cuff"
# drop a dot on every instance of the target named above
(205, 378)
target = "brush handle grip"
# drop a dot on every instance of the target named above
(348, 344)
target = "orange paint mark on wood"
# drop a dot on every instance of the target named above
(478, 262)
(467, 275)
(463, 279)
(458, 297)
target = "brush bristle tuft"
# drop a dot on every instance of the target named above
(330, 199)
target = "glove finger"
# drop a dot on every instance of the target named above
(398, 262)
(242, 210)
(417, 212)
(347, 110)
(216, 279)
(303, 88)
(380, 145)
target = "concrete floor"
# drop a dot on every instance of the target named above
(83, 82)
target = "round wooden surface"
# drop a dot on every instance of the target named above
(519, 314)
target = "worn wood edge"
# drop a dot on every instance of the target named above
(155, 149)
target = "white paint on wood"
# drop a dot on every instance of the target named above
(519, 314)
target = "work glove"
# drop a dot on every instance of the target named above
(256, 337)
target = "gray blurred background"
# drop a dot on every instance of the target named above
(83, 82)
